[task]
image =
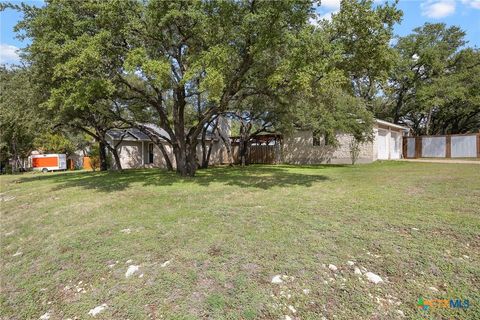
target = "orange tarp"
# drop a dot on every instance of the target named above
(45, 162)
(86, 163)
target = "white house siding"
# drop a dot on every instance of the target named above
(130, 153)
(298, 148)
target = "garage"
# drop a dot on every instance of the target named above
(382, 144)
(388, 139)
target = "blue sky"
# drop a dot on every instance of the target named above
(463, 13)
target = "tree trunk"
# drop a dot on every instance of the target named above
(185, 159)
(168, 162)
(244, 151)
(228, 146)
(118, 163)
(244, 142)
(191, 160)
(209, 153)
(429, 119)
(103, 156)
(204, 164)
(398, 107)
(206, 152)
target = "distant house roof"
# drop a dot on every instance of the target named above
(156, 129)
(134, 134)
(391, 125)
(162, 133)
(131, 134)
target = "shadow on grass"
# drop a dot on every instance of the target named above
(255, 176)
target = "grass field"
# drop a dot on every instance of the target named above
(208, 247)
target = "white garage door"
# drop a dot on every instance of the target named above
(382, 145)
(394, 145)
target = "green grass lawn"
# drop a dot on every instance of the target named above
(227, 232)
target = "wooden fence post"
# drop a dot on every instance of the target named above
(478, 145)
(418, 147)
(448, 146)
(404, 147)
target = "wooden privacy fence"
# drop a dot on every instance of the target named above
(262, 154)
(266, 154)
(442, 146)
(264, 148)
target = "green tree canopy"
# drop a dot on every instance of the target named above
(430, 76)
(19, 119)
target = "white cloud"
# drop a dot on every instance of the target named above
(472, 3)
(438, 8)
(313, 21)
(8, 54)
(331, 4)
(328, 16)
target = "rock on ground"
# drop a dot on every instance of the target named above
(372, 277)
(357, 271)
(350, 263)
(6, 198)
(332, 267)
(93, 312)
(277, 279)
(166, 263)
(45, 316)
(131, 271)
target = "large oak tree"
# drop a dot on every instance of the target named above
(161, 54)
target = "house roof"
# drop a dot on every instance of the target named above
(131, 134)
(134, 134)
(390, 124)
(156, 129)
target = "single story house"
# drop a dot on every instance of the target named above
(302, 148)
(136, 150)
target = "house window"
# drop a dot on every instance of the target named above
(320, 140)
(150, 153)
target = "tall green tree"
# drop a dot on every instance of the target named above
(364, 31)
(424, 58)
(68, 68)
(453, 98)
(20, 121)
